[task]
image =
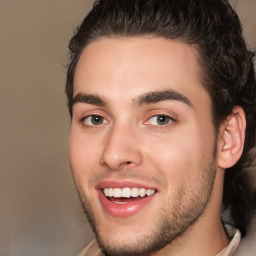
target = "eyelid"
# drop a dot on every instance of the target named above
(170, 119)
(160, 112)
(92, 113)
(90, 116)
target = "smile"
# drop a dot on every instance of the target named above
(127, 192)
(121, 200)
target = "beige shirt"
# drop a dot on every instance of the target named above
(93, 249)
(233, 234)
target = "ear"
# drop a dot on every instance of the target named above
(231, 138)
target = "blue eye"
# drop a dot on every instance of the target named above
(94, 120)
(159, 120)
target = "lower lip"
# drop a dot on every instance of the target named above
(123, 210)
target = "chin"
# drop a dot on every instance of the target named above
(128, 245)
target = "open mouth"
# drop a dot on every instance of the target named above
(124, 198)
(126, 195)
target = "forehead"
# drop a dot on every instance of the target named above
(136, 66)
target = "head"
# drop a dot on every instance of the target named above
(208, 35)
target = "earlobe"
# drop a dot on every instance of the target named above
(231, 138)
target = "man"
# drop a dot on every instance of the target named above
(162, 99)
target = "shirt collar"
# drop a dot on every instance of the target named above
(233, 234)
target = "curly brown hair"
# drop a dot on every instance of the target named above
(214, 29)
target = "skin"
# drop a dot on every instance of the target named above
(178, 158)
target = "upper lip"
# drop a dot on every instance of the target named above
(122, 184)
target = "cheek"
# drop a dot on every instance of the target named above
(83, 155)
(178, 156)
(173, 160)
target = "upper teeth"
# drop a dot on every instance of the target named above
(127, 192)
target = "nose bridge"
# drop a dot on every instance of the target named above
(121, 148)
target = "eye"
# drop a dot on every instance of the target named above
(159, 120)
(93, 120)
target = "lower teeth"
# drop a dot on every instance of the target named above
(125, 200)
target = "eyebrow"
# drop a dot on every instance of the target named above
(157, 96)
(89, 99)
(147, 98)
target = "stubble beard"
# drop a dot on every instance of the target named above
(174, 219)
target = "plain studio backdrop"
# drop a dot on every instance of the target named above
(39, 210)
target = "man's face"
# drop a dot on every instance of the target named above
(141, 124)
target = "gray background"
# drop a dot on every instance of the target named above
(40, 212)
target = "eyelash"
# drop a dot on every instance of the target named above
(157, 117)
(91, 124)
(102, 121)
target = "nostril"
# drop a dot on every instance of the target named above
(126, 163)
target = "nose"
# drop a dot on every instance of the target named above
(121, 149)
